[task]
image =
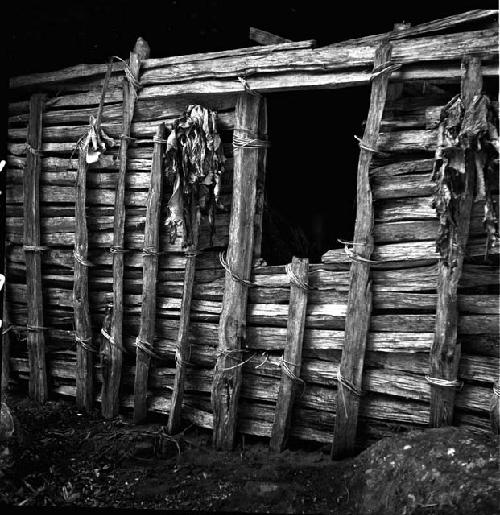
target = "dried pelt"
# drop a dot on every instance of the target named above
(194, 164)
(465, 136)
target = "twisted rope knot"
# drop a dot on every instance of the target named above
(445, 383)
(387, 67)
(78, 257)
(146, 347)
(111, 340)
(351, 254)
(84, 343)
(33, 151)
(247, 87)
(150, 251)
(235, 276)
(116, 249)
(343, 382)
(294, 279)
(496, 390)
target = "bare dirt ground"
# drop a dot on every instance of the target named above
(60, 457)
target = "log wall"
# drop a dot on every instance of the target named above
(403, 281)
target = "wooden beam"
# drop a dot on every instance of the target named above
(36, 341)
(262, 37)
(359, 305)
(81, 308)
(261, 183)
(110, 389)
(149, 279)
(183, 350)
(232, 326)
(292, 357)
(445, 351)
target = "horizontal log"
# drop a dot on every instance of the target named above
(139, 130)
(414, 230)
(402, 168)
(432, 48)
(89, 70)
(409, 185)
(406, 252)
(146, 110)
(407, 141)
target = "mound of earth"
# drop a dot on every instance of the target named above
(61, 457)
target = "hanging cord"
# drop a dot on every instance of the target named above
(445, 383)
(352, 255)
(84, 342)
(387, 67)
(344, 383)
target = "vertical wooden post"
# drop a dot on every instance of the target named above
(359, 302)
(232, 326)
(182, 353)
(261, 184)
(83, 324)
(445, 350)
(110, 390)
(5, 349)
(36, 341)
(149, 280)
(292, 356)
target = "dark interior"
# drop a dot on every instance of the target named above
(311, 171)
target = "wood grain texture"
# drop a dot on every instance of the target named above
(445, 351)
(149, 278)
(183, 351)
(292, 357)
(110, 402)
(83, 323)
(232, 325)
(38, 389)
(359, 304)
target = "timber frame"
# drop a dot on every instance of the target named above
(163, 296)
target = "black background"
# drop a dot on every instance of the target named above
(312, 161)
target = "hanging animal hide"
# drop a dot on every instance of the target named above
(194, 164)
(462, 131)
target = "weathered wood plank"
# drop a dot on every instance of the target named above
(227, 376)
(38, 388)
(292, 357)
(445, 351)
(149, 279)
(359, 304)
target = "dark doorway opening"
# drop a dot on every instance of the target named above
(311, 171)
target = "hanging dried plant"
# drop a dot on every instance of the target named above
(460, 132)
(194, 164)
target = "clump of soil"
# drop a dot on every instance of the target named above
(61, 457)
